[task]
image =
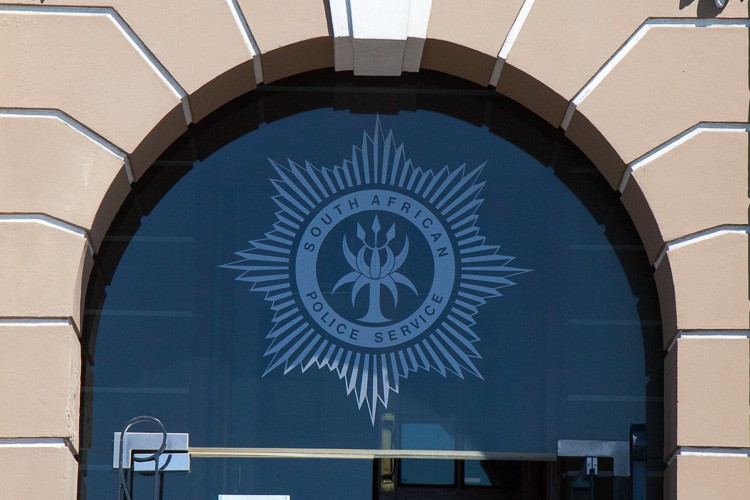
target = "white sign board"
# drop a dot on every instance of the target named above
(255, 497)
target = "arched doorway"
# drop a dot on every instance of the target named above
(571, 353)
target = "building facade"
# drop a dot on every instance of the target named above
(655, 94)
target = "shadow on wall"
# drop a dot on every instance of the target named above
(707, 9)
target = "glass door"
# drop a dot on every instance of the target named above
(334, 263)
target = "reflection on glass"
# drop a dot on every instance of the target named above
(301, 479)
(428, 472)
(418, 436)
(171, 334)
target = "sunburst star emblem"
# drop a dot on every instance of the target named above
(374, 269)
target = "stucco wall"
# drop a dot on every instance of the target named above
(654, 92)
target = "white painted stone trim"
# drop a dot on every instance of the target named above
(130, 36)
(510, 39)
(676, 141)
(51, 222)
(714, 451)
(698, 237)
(708, 335)
(343, 48)
(33, 443)
(380, 20)
(698, 451)
(36, 322)
(631, 42)
(39, 442)
(416, 34)
(75, 125)
(248, 38)
(383, 38)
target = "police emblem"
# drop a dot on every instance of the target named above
(374, 269)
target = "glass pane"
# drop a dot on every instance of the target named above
(506, 324)
(426, 472)
(301, 479)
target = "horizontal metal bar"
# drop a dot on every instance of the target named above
(365, 454)
(168, 462)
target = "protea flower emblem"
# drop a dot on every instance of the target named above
(375, 274)
(321, 231)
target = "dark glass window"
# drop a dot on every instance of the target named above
(253, 293)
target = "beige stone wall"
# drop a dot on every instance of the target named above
(654, 92)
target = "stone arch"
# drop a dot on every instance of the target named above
(95, 94)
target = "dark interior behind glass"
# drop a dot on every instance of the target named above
(572, 351)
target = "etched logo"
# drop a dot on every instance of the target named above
(375, 274)
(374, 269)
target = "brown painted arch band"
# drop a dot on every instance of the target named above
(672, 79)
